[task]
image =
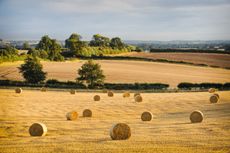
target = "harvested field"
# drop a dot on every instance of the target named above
(128, 72)
(221, 60)
(169, 131)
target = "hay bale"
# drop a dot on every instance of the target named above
(18, 90)
(110, 93)
(72, 115)
(211, 90)
(214, 99)
(96, 98)
(196, 116)
(38, 129)
(87, 113)
(136, 94)
(120, 131)
(43, 89)
(72, 91)
(138, 98)
(146, 116)
(217, 95)
(126, 94)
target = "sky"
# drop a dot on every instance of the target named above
(162, 20)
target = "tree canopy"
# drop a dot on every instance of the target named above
(92, 74)
(100, 41)
(117, 43)
(32, 70)
(52, 48)
(75, 44)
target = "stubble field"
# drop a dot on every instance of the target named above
(211, 59)
(118, 71)
(170, 130)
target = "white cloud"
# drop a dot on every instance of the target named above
(148, 19)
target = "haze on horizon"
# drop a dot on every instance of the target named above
(128, 19)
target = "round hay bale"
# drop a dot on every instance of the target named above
(138, 98)
(18, 90)
(136, 94)
(126, 94)
(146, 116)
(120, 131)
(96, 98)
(196, 116)
(214, 99)
(43, 89)
(72, 91)
(110, 93)
(211, 90)
(38, 129)
(72, 115)
(217, 95)
(87, 113)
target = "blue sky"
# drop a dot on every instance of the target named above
(128, 19)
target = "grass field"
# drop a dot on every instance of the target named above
(220, 60)
(128, 72)
(170, 130)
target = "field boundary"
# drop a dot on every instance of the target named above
(101, 90)
(56, 85)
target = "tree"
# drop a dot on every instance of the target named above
(32, 70)
(54, 53)
(69, 43)
(99, 41)
(45, 43)
(91, 73)
(52, 48)
(26, 45)
(117, 43)
(75, 44)
(8, 51)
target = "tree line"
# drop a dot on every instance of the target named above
(51, 49)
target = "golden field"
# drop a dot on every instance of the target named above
(211, 59)
(170, 130)
(119, 71)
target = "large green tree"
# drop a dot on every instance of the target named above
(116, 43)
(100, 41)
(32, 70)
(92, 74)
(52, 48)
(70, 42)
(45, 43)
(74, 44)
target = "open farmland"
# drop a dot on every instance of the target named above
(220, 60)
(127, 72)
(170, 130)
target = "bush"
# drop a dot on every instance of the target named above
(226, 86)
(186, 85)
(136, 86)
(52, 81)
